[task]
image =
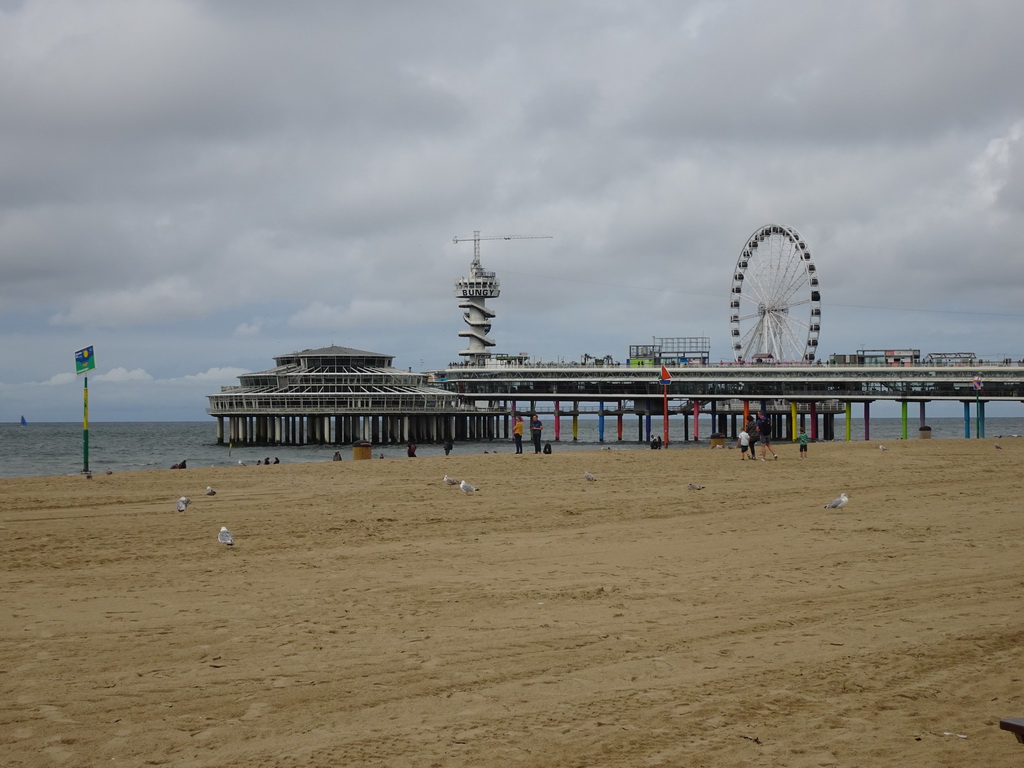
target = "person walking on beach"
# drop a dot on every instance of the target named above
(536, 427)
(764, 430)
(751, 429)
(802, 437)
(448, 445)
(517, 434)
(744, 444)
(410, 451)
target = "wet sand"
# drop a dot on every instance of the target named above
(370, 615)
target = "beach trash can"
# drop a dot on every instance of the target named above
(717, 440)
(361, 451)
(925, 433)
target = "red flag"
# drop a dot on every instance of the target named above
(666, 377)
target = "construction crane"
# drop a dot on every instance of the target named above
(476, 241)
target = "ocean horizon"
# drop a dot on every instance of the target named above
(56, 448)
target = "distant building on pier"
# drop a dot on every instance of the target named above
(339, 395)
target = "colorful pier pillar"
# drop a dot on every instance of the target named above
(849, 415)
(558, 422)
(903, 420)
(979, 406)
(619, 419)
(792, 421)
(600, 421)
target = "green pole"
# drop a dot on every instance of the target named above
(904, 419)
(85, 426)
(849, 414)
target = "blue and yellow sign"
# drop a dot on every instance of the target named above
(85, 360)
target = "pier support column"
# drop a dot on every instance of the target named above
(792, 421)
(600, 421)
(967, 418)
(867, 421)
(558, 423)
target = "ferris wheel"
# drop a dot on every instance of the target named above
(775, 305)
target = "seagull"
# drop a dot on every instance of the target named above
(999, 447)
(183, 503)
(882, 448)
(210, 491)
(839, 502)
(467, 488)
(225, 537)
(588, 476)
(695, 487)
(450, 480)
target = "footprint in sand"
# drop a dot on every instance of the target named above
(257, 709)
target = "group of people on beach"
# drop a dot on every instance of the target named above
(536, 430)
(759, 430)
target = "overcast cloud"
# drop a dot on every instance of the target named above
(194, 187)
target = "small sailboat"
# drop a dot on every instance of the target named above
(23, 422)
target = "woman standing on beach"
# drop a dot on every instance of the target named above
(517, 434)
(536, 427)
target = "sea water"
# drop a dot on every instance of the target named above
(58, 448)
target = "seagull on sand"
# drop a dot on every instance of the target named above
(838, 502)
(467, 489)
(183, 503)
(694, 487)
(210, 491)
(588, 476)
(225, 537)
(882, 448)
(450, 480)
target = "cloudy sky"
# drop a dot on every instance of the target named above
(195, 186)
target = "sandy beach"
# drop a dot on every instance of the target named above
(370, 615)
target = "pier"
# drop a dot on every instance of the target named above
(794, 396)
(339, 396)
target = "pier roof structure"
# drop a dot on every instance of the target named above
(749, 381)
(331, 380)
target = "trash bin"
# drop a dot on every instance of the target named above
(717, 440)
(361, 451)
(925, 433)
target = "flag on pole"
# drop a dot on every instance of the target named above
(85, 361)
(666, 377)
(977, 383)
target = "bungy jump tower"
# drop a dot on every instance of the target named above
(473, 292)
